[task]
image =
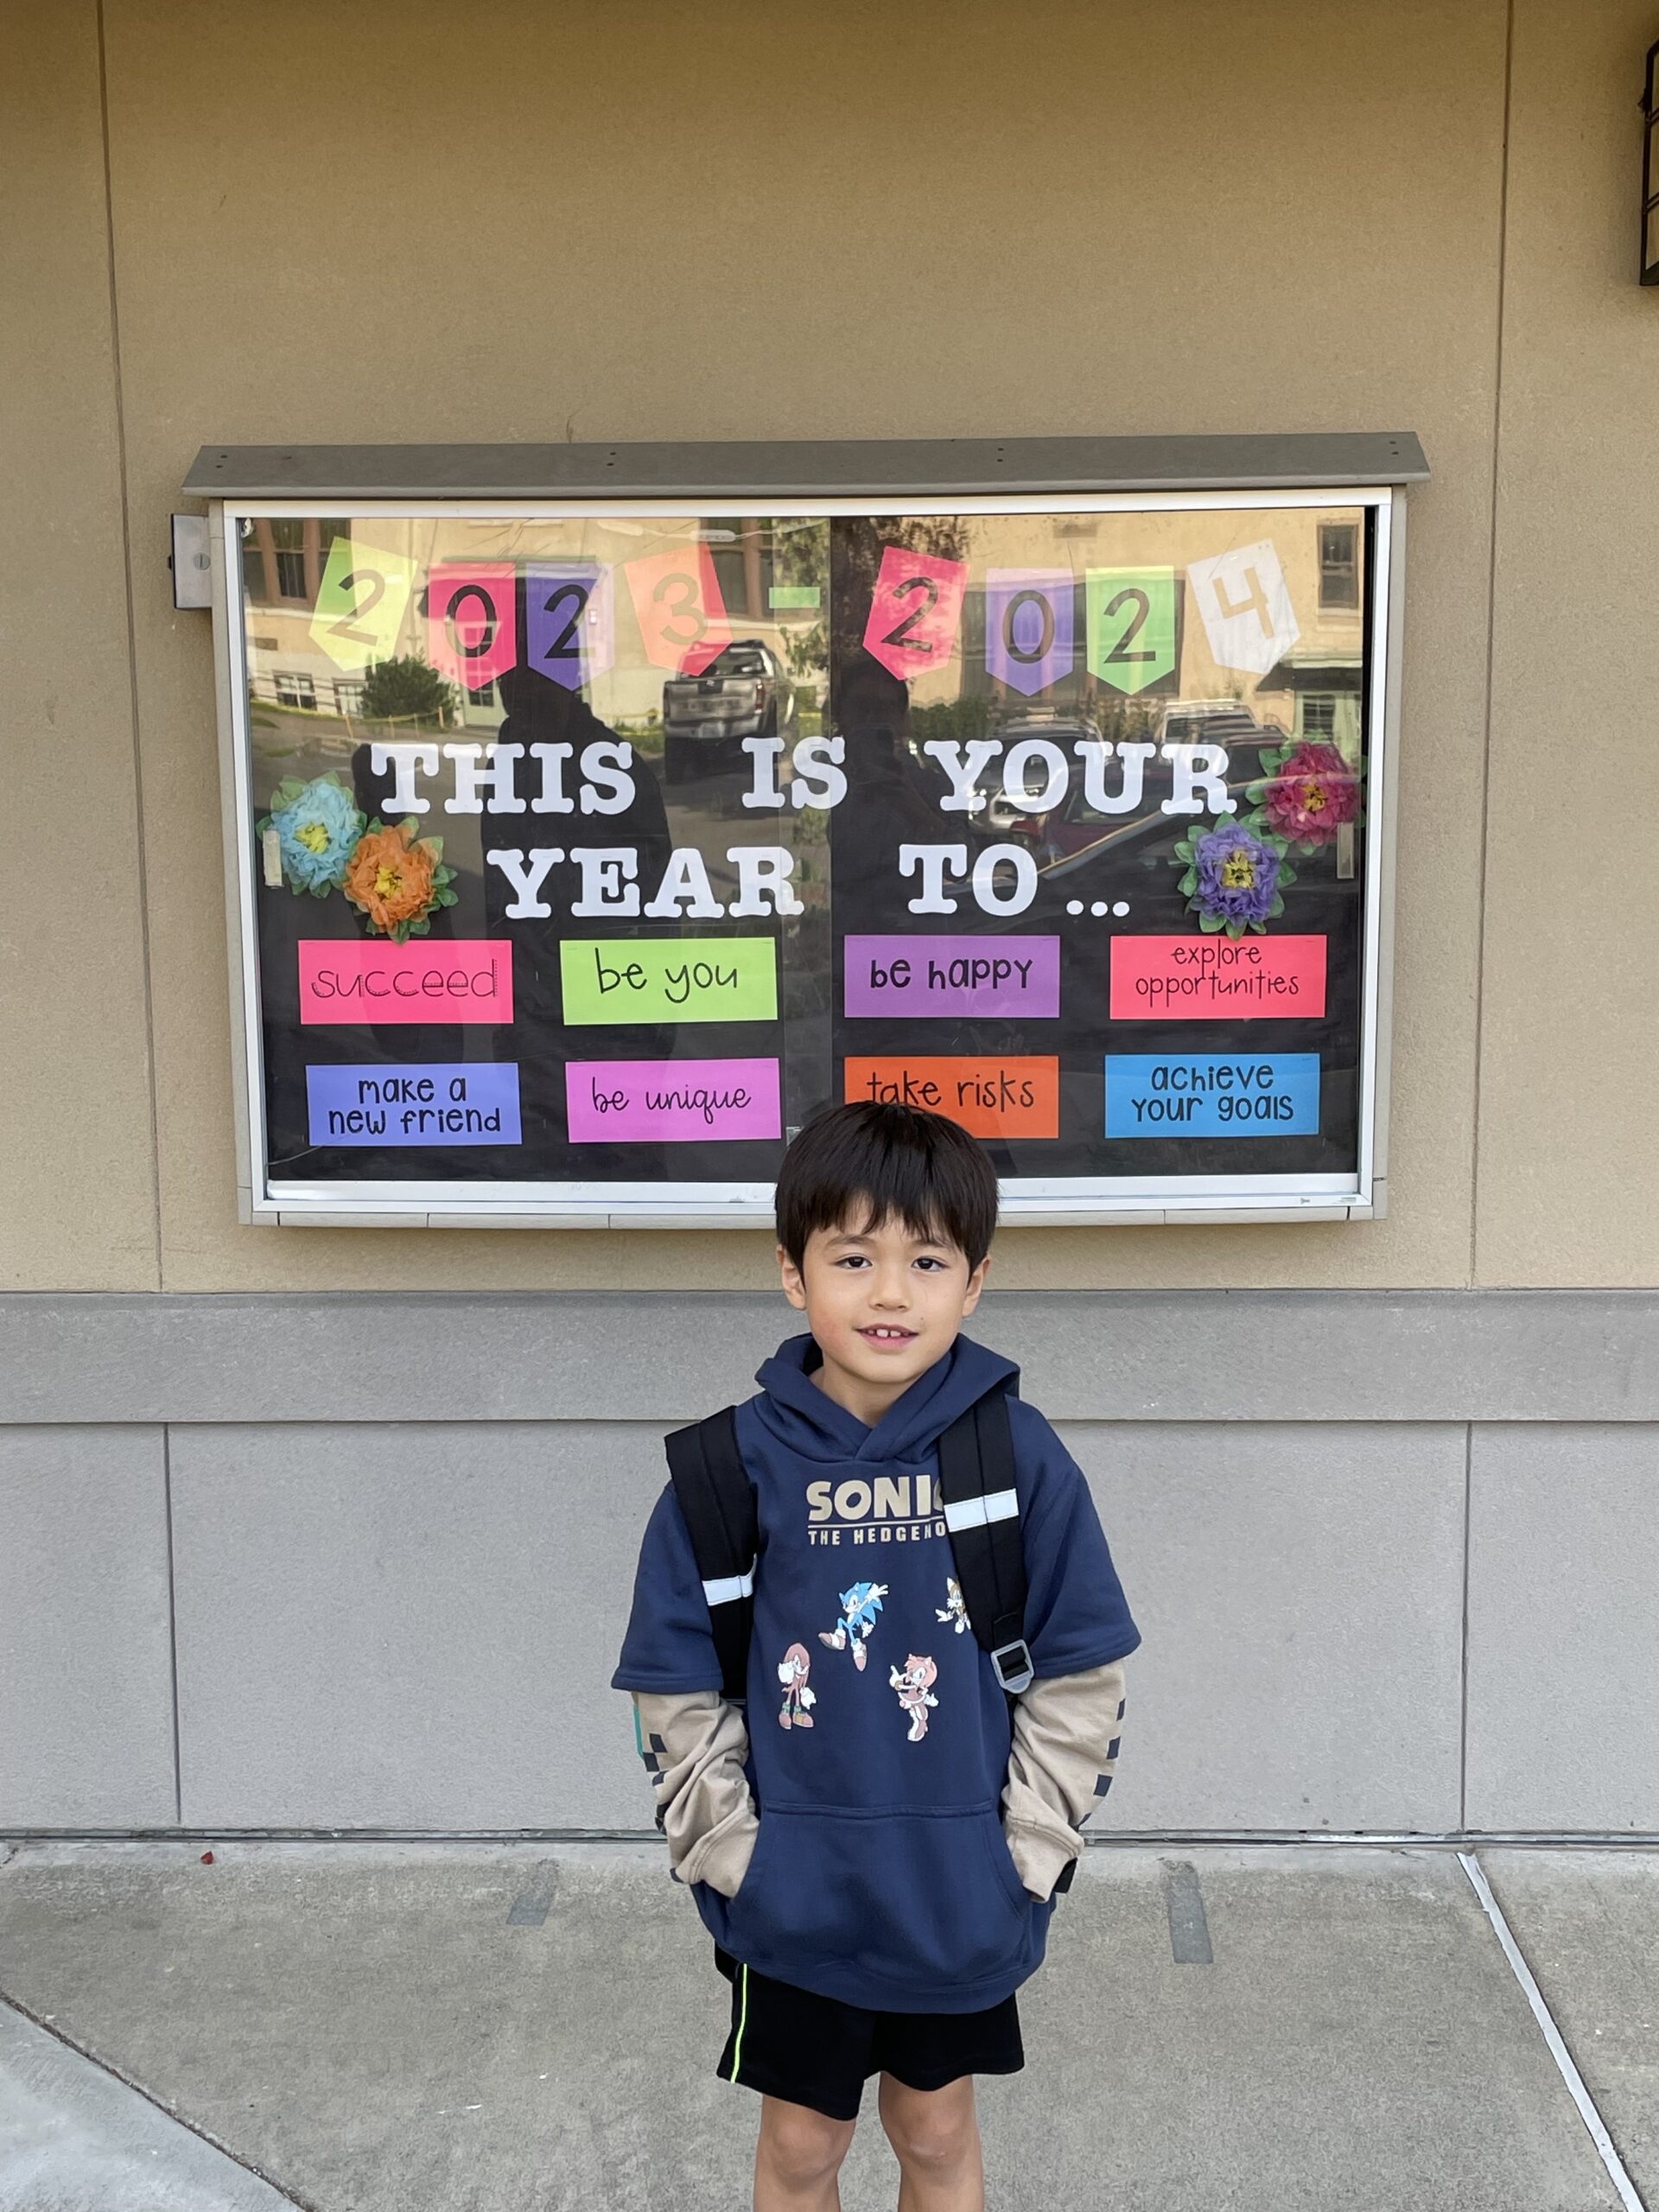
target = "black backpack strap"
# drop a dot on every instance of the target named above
(982, 1516)
(717, 1501)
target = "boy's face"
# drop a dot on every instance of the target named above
(883, 1304)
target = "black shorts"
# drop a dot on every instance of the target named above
(814, 2051)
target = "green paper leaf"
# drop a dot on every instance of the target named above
(1210, 924)
(1275, 910)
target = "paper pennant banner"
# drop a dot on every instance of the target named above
(570, 621)
(1244, 603)
(681, 614)
(472, 618)
(361, 602)
(915, 612)
(1130, 614)
(1029, 628)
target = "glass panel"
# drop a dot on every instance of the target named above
(606, 849)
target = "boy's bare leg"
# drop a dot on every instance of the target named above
(798, 2157)
(935, 2137)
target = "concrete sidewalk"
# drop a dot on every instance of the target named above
(515, 2028)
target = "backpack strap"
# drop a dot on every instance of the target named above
(982, 1516)
(717, 1501)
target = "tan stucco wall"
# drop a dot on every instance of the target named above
(845, 222)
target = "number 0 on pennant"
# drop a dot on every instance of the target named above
(361, 602)
(1130, 613)
(915, 612)
(472, 620)
(682, 616)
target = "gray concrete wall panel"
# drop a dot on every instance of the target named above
(1563, 1629)
(1384, 1356)
(408, 1626)
(1299, 1591)
(86, 1671)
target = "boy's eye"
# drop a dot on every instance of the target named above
(853, 1260)
(928, 1262)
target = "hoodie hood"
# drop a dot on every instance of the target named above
(810, 1422)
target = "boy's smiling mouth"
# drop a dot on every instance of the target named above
(885, 1332)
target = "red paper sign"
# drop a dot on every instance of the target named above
(915, 612)
(682, 615)
(1218, 978)
(472, 618)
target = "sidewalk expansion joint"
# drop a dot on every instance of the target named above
(1566, 2066)
(190, 2126)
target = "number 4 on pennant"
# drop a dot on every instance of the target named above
(915, 610)
(361, 602)
(1131, 625)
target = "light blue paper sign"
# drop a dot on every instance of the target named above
(474, 1101)
(1233, 1095)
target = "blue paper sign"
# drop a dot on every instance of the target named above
(474, 1101)
(1234, 1095)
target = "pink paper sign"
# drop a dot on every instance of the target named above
(994, 977)
(671, 1101)
(348, 979)
(914, 613)
(1218, 978)
(682, 616)
(472, 620)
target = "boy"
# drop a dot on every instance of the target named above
(877, 1863)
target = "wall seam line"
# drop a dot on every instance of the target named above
(1463, 1653)
(1492, 638)
(141, 869)
(172, 1622)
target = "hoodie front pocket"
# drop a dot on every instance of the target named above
(911, 1904)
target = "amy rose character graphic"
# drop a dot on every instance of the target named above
(792, 1672)
(914, 1683)
(859, 1607)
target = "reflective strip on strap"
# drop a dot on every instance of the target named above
(733, 1587)
(976, 1512)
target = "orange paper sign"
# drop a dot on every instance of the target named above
(994, 1095)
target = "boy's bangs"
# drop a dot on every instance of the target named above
(857, 1166)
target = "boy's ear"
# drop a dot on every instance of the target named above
(976, 1284)
(794, 1288)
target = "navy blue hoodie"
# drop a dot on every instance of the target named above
(879, 1735)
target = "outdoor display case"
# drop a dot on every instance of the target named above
(594, 815)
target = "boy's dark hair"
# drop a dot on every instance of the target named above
(890, 1159)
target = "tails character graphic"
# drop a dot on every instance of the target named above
(914, 1684)
(859, 1607)
(797, 1699)
(953, 1608)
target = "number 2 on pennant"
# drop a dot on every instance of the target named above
(677, 604)
(361, 600)
(471, 619)
(569, 621)
(1131, 623)
(915, 610)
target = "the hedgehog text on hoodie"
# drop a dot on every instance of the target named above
(879, 1736)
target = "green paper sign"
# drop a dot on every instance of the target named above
(1131, 625)
(615, 979)
(361, 603)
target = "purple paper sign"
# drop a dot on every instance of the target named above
(671, 1101)
(570, 621)
(471, 1101)
(920, 976)
(1029, 628)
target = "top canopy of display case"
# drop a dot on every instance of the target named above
(823, 468)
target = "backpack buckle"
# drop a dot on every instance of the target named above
(1012, 1665)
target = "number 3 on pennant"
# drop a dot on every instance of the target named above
(682, 616)
(915, 612)
(1131, 625)
(361, 602)
(472, 620)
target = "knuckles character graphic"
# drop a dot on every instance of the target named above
(792, 1672)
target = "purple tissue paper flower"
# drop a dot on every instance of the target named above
(1237, 872)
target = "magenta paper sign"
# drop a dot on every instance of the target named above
(682, 616)
(671, 1101)
(472, 620)
(924, 975)
(914, 613)
(570, 621)
(349, 979)
(1218, 978)
(1029, 635)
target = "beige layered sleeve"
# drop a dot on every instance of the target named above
(694, 1746)
(1064, 1753)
